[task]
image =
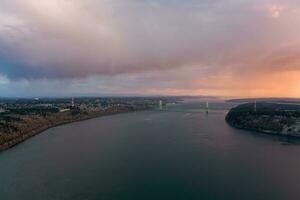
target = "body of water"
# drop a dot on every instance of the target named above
(178, 153)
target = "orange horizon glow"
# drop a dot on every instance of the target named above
(239, 49)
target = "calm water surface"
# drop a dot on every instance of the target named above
(179, 153)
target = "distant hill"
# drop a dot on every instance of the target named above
(274, 118)
(274, 100)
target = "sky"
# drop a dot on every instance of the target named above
(234, 48)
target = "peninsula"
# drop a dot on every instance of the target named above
(279, 118)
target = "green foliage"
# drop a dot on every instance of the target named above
(34, 111)
(268, 116)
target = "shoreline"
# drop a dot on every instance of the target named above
(31, 133)
(264, 132)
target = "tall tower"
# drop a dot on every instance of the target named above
(255, 106)
(207, 107)
(72, 102)
(160, 104)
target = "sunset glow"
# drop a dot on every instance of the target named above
(129, 47)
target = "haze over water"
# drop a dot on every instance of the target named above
(178, 153)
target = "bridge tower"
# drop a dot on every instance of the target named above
(160, 104)
(72, 102)
(207, 107)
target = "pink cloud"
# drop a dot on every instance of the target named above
(183, 46)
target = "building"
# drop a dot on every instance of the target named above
(64, 110)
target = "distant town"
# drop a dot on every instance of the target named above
(22, 118)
